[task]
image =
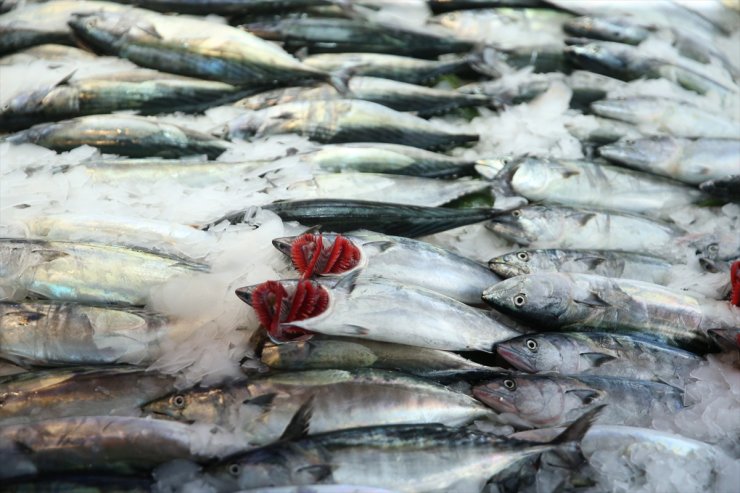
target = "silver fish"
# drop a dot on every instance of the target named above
(52, 334)
(725, 188)
(85, 272)
(608, 263)
(607, 29)
(533, 401)
(47, 52)
(600, 354)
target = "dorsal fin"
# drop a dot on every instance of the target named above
(300, 422)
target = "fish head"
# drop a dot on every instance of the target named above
(102, 30)
(540, 298)
(321, 254)
(641, 152)
(189, 406)
(532, 353)
(521, 225)
(535, 400)
(519, 263)
(597, 57)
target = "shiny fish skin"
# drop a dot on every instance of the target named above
(690, 161)
(727, 188)
(414, 262)
(142, 137)
(340, 400)
(49, 52)
(225, 7)
(564, 227)
(608, 263)
(442, 6)
(193, 47)
(601, 303)
(85, 272)
(52, 334)
(606, 29)
(345, 120)
(532, 401)
(600, 354)
(79, 392)
(318, 488)
(324, 353)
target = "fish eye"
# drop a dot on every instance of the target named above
(713, 248)
(523, 256)
(520, 299)
(178, 401)
(510, 384)
(516, 213)
(235, 469)
(532, 345)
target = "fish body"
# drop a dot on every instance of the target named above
(606, 29)
(535, 401)
(726, 188)
(318, 488)
(142, 137)
(323, 353)
(668, 116)
(691, 161)
(86, 272)
(227, 7)
(608, 263)
(49, 52)
(79, 392)
(192, 47)
(605, 131)
(52, 334)
(261, 408)
(346, 120)
(607, 304)
(600, 354)
(394, 67)
(408, 261)
(442, 6)
(563, 227)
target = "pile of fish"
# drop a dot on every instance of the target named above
(369, 246)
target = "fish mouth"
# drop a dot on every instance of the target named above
(506, 270)
(516, 358)
(245, 293)
(283, 244)
(495, 399)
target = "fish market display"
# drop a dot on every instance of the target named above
(370, 246)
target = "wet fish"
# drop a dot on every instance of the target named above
(342, 216)
(613, 29)
(605, 131)
(580, 183)
(88, 483)
(85, 272)
(600, 354)
(494, 62)
(581, 300)
(190, 46)
(726, 188)
(668, 116)
(146, 91)
(535, 401)
(227, 7)
(394, 67)
(608, 263)
(564, 227)
(326, 35)
(323, 353)
(400, 96)
(319, 488)
(53, 334)
(143, 137)
(79, 392)
(405, 458)
(260, 410)
(101, 444)
(726, 337)
(420, 317)
(49, 52)
(442, 6)
(346, 120)
(688, 160)
(399, 259)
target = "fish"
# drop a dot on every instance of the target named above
(442, 6)
(89, 483)
(386, 66)
(728, 337)
(259, 410)
(535, 401)
(496, 61)
(58, 334)
(342, 216)
(347, 353)
(668, 116)
(600, 354)
(192, 47)
(290, 309)
(49, 52)
(725, 188)
(407, 190)
(146, 91)
(86, 272)
(580, 183)
(345, 120)
(143, 137)
(319, 488)
(576, 228)
(404, 458)
(613, 29)
(83, 391)
(228, 7)
(691, 161)
(604, 132)
(326, 35)
(608, 263)
(399, 259)
(104, 444)
(564, 301)
(400, 96)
